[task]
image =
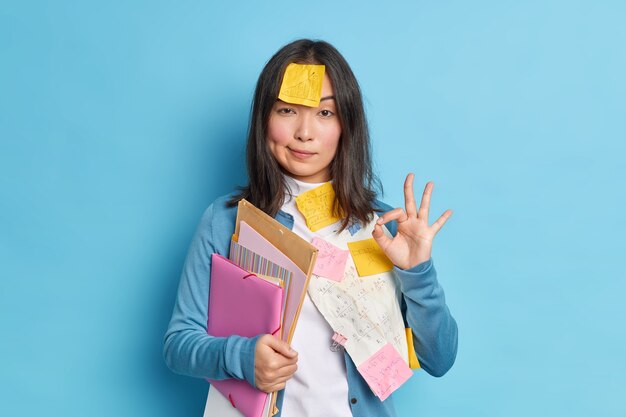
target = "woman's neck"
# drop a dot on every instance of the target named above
(296, 187)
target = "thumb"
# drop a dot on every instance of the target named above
(281, 347)
(380, 237)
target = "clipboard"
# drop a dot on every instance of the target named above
(299, 251)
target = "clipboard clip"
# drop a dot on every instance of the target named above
(339, 342)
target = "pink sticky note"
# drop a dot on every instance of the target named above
(385, 371)
(331, 261)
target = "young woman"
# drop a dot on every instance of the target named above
(294, 148)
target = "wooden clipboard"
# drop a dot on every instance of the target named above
(301, 252)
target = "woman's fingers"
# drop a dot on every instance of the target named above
(379, 236)
(441, 221)
(409, 196)
(280, 373)
(274, 388)
(279, 346)
(425, 204)
(401, 215)
(275, 381)
(268, 377)
(285, 372)
(274, 362)
(396, 214)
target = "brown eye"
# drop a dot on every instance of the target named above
(326, 113)
(285, 110)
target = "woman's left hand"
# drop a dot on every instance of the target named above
(413, 243)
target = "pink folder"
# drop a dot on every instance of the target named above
(240, 303)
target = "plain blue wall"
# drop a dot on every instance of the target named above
(120, 123)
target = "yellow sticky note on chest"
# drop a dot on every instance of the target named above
(316, 206)
(369, 258)
(302, 84)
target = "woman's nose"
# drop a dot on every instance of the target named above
(304, 129)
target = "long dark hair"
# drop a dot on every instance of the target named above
(351, 169)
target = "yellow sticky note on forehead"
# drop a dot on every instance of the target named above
(369, 258)
(316, 206)
(302, 84)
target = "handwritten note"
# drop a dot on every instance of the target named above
(317, 207)
(369, 258)
(302, 84)
(331, 261)
(365, 311)
(385, 371)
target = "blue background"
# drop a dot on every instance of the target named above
(120, 123)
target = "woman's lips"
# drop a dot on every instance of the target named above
(301, 154)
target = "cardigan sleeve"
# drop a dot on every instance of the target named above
(188, 349)
(435, 332)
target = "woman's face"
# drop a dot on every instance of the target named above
(304, 139)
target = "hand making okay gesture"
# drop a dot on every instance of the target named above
(413, 243)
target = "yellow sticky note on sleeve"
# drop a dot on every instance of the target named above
(413, 362)
(302, 84)
(369, 258)
(316, 206)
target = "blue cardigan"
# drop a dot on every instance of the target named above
(190, 351)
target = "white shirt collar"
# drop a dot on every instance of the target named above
(296, 187)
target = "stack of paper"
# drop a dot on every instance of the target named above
(259, 291)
